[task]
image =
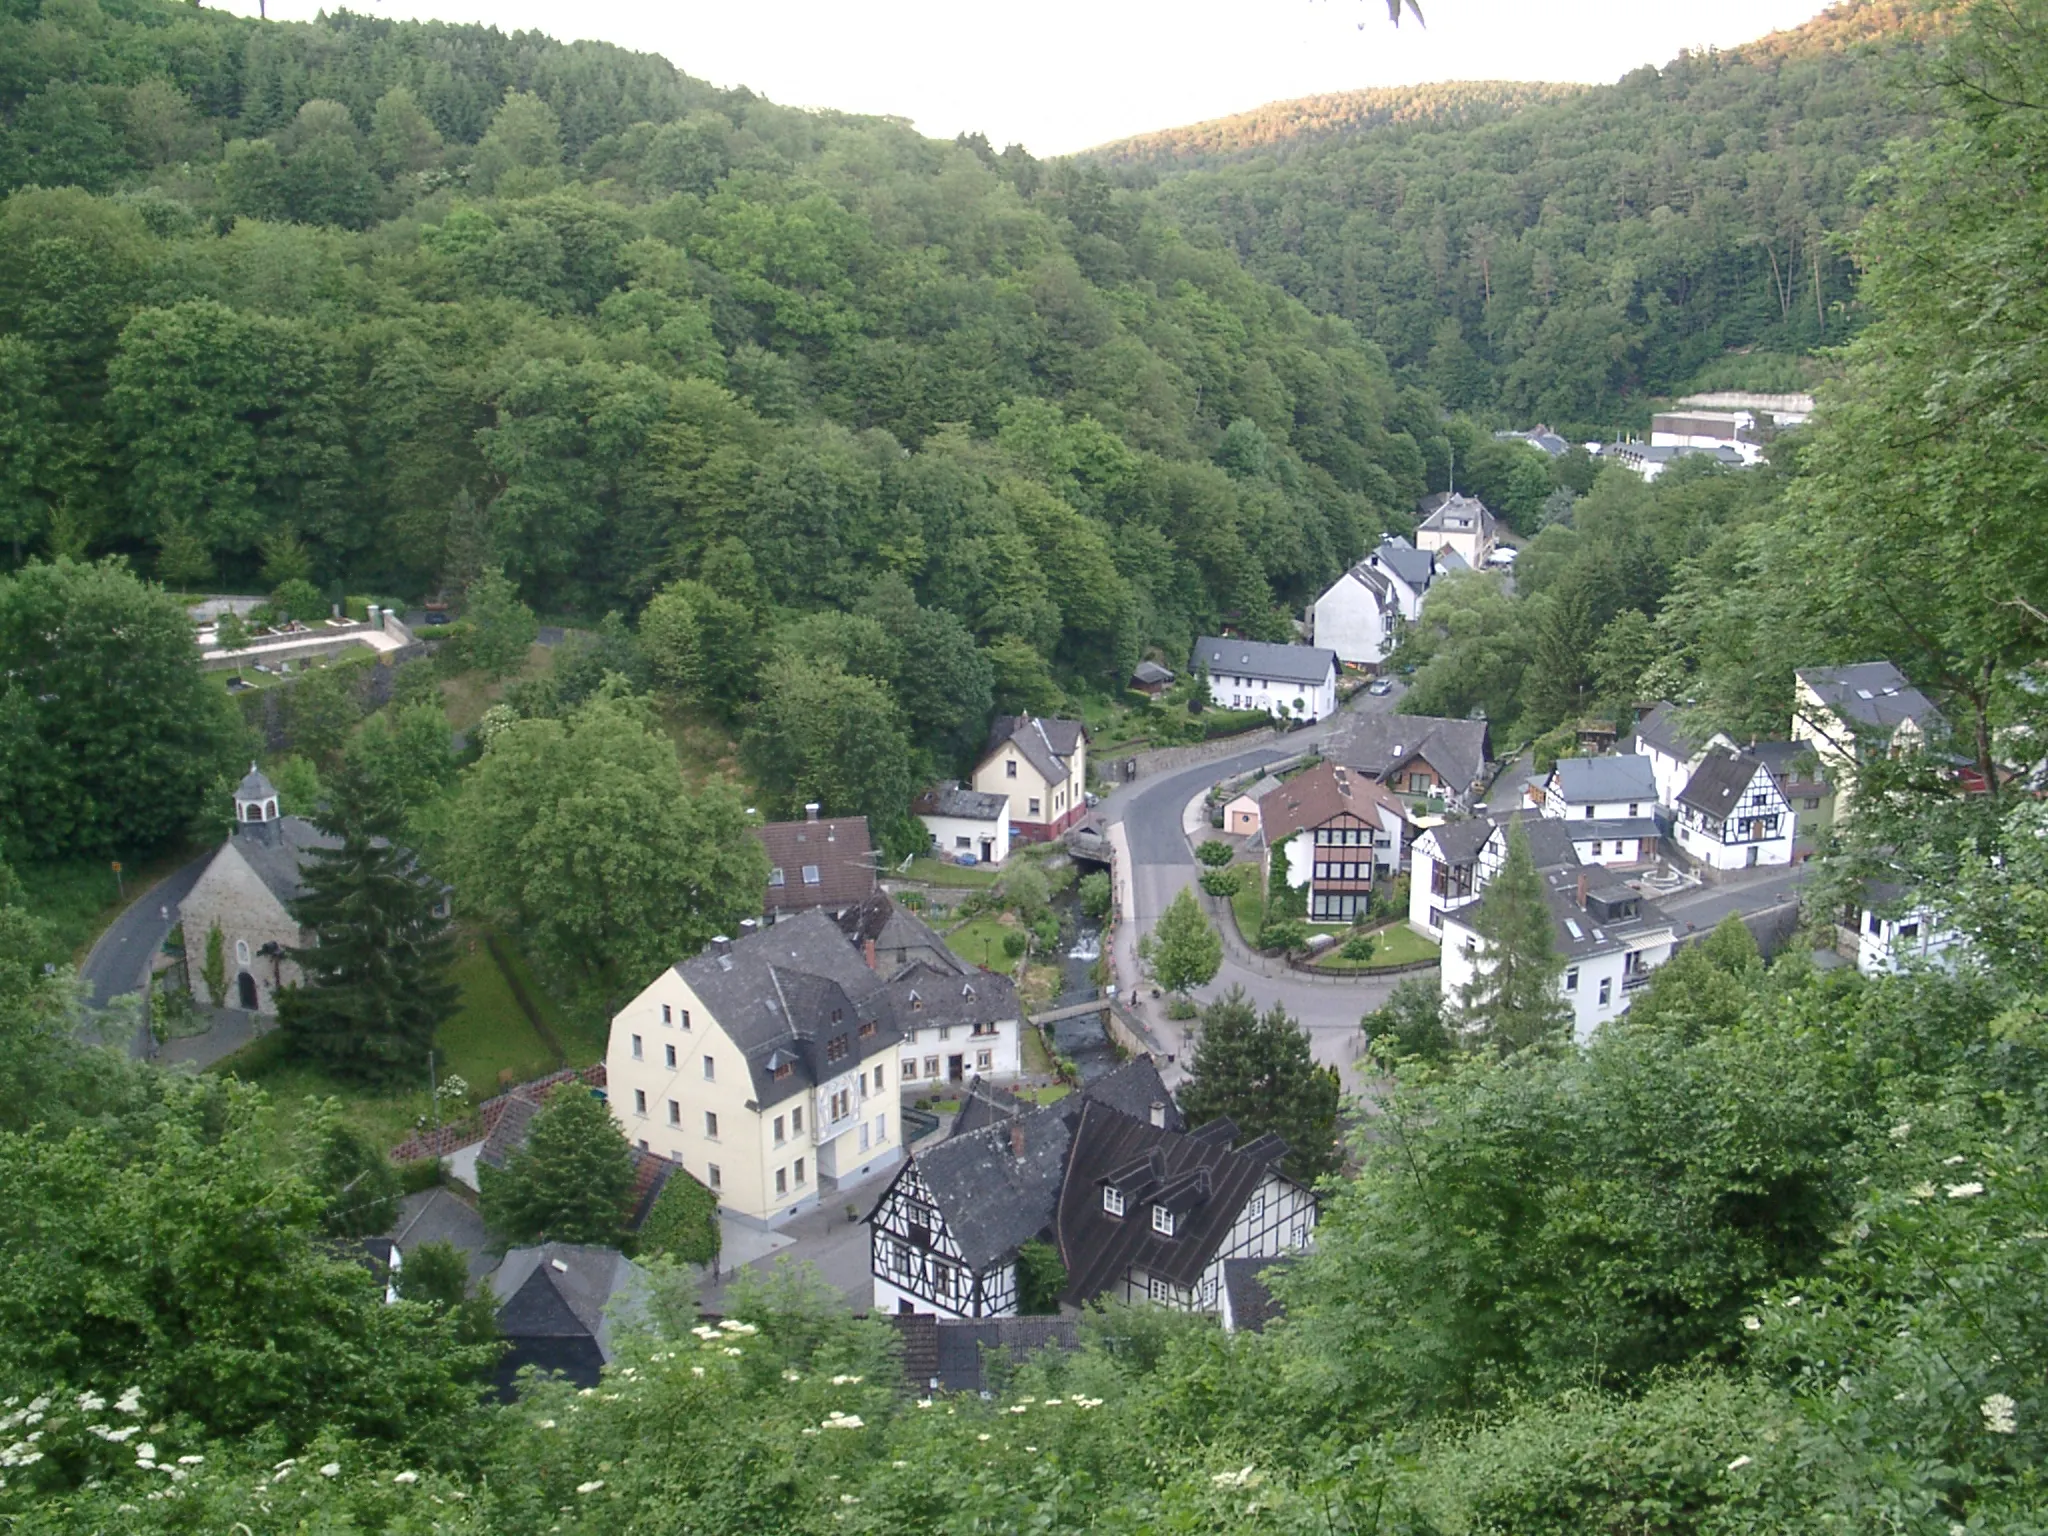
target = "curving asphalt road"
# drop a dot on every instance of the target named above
(118, 963)
(1162, 863)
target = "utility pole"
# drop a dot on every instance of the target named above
(433, 1086)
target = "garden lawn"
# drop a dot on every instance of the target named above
(981, 942)
(489, 1035)
(939, 872)
(386, 1116)
(1395, 944)
(1249, 907)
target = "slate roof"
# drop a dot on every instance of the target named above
(1583, 831)
(894, 931)
(823, 863)
(991, 1200)
(1449, 560)
(952, 1350)
(1550, 838)
(276, 851)
(1872, 693)
(1324, 793)
(1196, 1174)
(1456, 513)
(1415, 567)
(1134, 1088)
(1660, 728)
(1538, 437)
(952, 798)
(1252, 1306)
(1258, 791)
(560, 1290)
(1378, 744)
(1046, 743)
(1150, 673)
(921, 995)
(1578, 932)
(1459, 842)
(508, 1134)
(1309, 665)
(254, 786)
(773, 994)
(440, 1216)
(1793, 764)
(1719, 783)
(1626, 777)
(1374, 581)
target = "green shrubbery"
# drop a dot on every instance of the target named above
(683, 1222)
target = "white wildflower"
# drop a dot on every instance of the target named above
(844, 1421)
(734, 1325)
(924, 1402)
(190, 1461)
(807, 1430)
(1793, 1301)
(1950, 1162)
(1243, 1477)
(280, 1476)
(331, 1469)
(1753, 1324)
(705, 1331)
(1998, 1413)
(735, 1351)
(289, 1461)
(90, 1402)
(981, 1437)
(847, 1498)
(1053, 1402)
(1902, 1130)
(791, 1376)
(405, 1477)
(130, 1402)
(1965, 1191)
(1921, 1191)
(547, 1423)
(1738, 1464)
(591, 1486)
(40, 1405)
(845, 1381)
(899, 1465)
(145, 1451)
(1018, 1409)
(696, 1370)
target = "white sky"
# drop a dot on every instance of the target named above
(1061, 75)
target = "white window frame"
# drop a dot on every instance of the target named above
(1112, 1200)
(1162, 1221)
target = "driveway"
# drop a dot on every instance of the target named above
(1162, 864)
(118, 964)
(1748, 893)
(823, 1237)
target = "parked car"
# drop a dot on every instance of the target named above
(438, 616)
(1381, 686)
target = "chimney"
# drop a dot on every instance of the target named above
(867, 952)
(1159, 1113)
(721, 945)
(1582, 890)
(811, 811)
(749, 927)
(1017, 1140)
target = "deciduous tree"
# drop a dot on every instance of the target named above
(1183, 950)
(572, 1182)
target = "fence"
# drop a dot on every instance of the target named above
(441, 1140)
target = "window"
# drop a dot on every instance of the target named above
(1571, 979)
(881, 1129)
(713, 1177)
(1635, 807)
(878, 1077)
(675, 1112)
(1599, 847)
(1909, 931)
(781, 1072)
(779, 1136)
(984, 1061)
(960, 841)
(710, 1069)
(775, 877)
(636, 1048)
(799, 1173)
(1159, 1290)
(1813, 802)
(671, 1057)
(945, 1031)
(931, 1066)
(909, 1071)
(1112, 1200)
(1606, 989)
(1589, 813)
(1162, 1220)
(867, 1031)
(242, 945)
(1010, 768)
(1258, 1207)
(639, 1101)
(835, 1048)
(1034, 806)
(668, 1014)
(782, 1181)
(796, 1122)
(811, 875)
(842, 1104)
(863, 1136)
(711, 1124)
(686, 1018)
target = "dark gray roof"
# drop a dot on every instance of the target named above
(1792, 763)
(1378, 744)
(1661, 728)
(823, 863)
(1719, 783)
(921, 995)
(896, 932)
(1550, 839)
(1310, 665)
(952, 798)
(1449, 560)
(1872, 693)
(1046, 743)
(561, 1290)
(1134, 1088)
(1456, 513)
(991, 1200)
(952, 1350)
(1150, 672)
(441, 1216)
(508, 1133)
(1460, 841)
(1583, 831)
(1415, 567)
(1581, 934)
(1196, 1174)
(1252, 1306)
(1625, 777)
(774, 993)
(254, 786)
(276, 851)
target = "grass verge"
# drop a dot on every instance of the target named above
(959, 876)
(1395, 944)
(79, 898)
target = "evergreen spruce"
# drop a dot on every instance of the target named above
(1512, 1000)
(1257, 1070)
(375, 986)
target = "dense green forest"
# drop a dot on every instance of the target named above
(414, 299)
(1563, 259)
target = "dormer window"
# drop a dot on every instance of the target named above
(810, 874)
(1112, 1200)
(775, 876)
(1162, 1221)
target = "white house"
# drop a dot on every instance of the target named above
(1289, 682)
(1734, 431)
(1458, 523)
(1241, 812)
(1610, 937)
(955, 1025)
(1672, 753)
(1732, 814)
(1892, 933)
(965, 823)
(1608, 805)
(1848, 711)
(1444, 872)
(1360, 616)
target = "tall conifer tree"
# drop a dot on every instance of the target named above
(1512, 1000)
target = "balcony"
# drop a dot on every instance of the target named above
(1635, 981)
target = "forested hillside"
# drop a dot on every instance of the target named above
(1565, 259)
(418, 298)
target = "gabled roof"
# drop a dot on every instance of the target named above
(1378, 744)
(561, 1290)
(1150, 672)
(1134, 1088)
(1252, 1306)
(773, 993)
(1550, 838)
(440, 1216)
(823, 863)
(950, 1350)
(1581, 934)
(1324, 793)
(1374, 581)
(1872, 693)
(1459, 842)
(952, 798)
(921, 995)
(1196, 1174)
(1309, 665)
(276, 851)
(1624, 777)
(1264, 786)
(894, 931)
(991, 1200)
(1415, 568)
(1661, 729)
(1450, 512)
(1045, 743)
(1719, 783)
(1581, 830)
(1791, 762)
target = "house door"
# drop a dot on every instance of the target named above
(988, 850)
(956, 1068)
(245, 991)
(1753, 851)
